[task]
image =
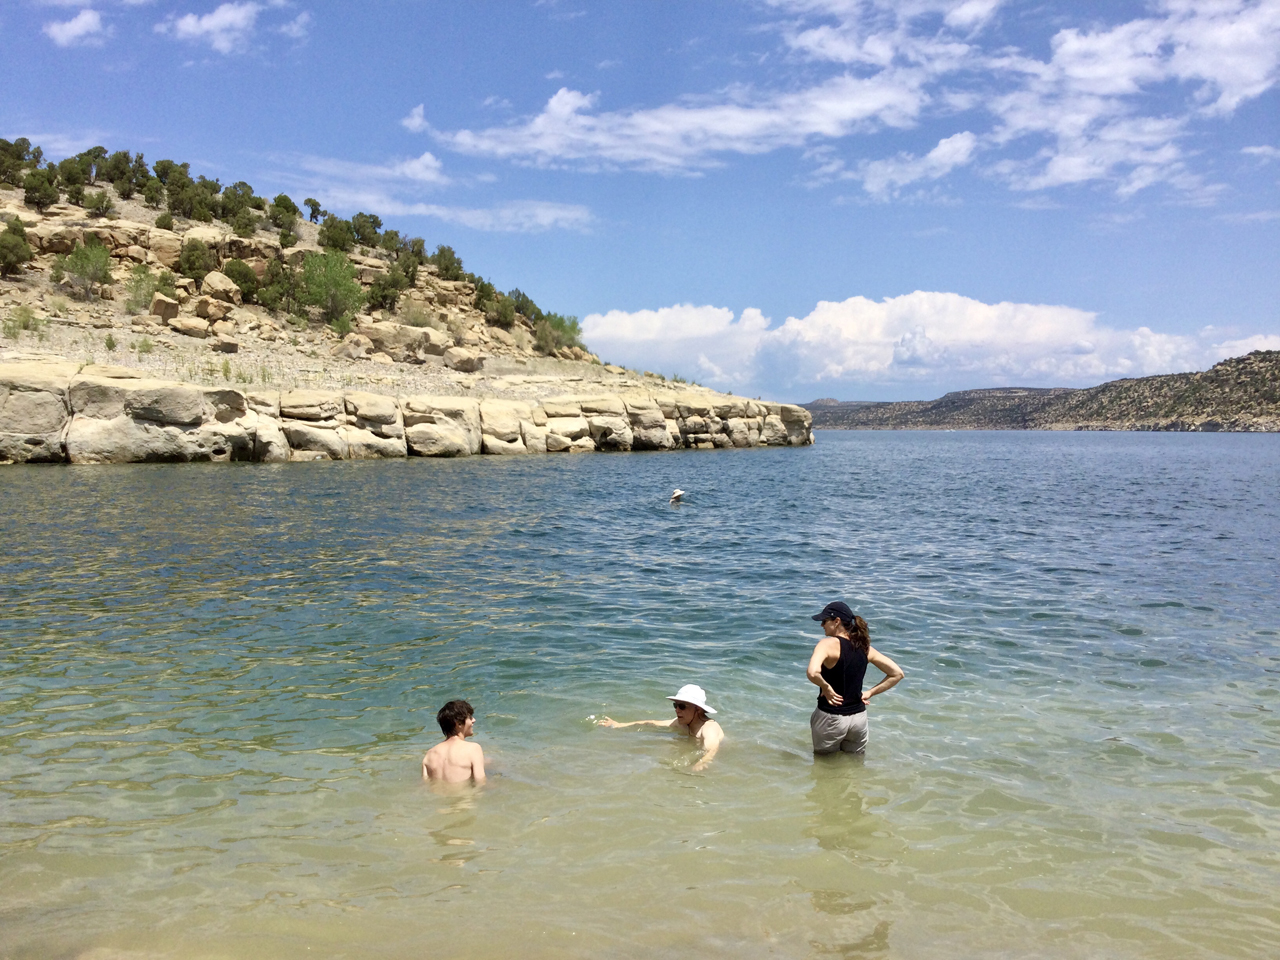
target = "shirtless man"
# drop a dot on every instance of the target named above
(691, 720)
(455, 760)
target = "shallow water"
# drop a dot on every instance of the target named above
(218, 683)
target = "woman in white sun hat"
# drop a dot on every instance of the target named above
(691, 720)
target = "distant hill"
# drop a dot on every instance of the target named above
(1241, 394)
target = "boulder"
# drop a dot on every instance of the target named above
(571, 428)
(402, 342)
(264, 402)
(534, 437)
(493, 445)
(463, 359)
(165, 246)
(190, 326)
(124, 439)
(220, 287)
(354, 346)
(460, 410)
(583, 445)
(213, 310)
(311, 405)
(562, 407)
(378, 414)
(557, 443)
(223, 404)
(775, 431)
(251, 248)
(737, 432)
(212, 237)
(609, 406)
(225, 343)
(729, 409)
(269, 442)
(442, 438)
(308, 437)
(222, 327)
(159, 401)
(693, 405)
(367, 445)
(33, 410)
(53, 237)
(611, 433)
(500, 419)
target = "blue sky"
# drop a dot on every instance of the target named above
(791, 198)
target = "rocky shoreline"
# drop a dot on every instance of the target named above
(57, 411)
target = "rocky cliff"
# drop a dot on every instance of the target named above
(1241, 394)
(60, 411)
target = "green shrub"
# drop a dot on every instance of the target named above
(281, 288)
(124, 188)
(287, 239)
(237, 197)
(384, 292)
(153, 194)
(140, 287)
(22, 318)
(365, 226)
(165, 221)
(504, 313)
(245, 223)
(100, 205)
(448, 264)
(144, 346)
(86, 265)
(485, 292)
(110, 343)
(75, 194)
(14, 251)
(554, 332)
(196, 260)
(415, 315)
(337, 234)
(116, 167)
(328, 282)
(242, 276)
(313, 209)
(40, 189)
(525, 305)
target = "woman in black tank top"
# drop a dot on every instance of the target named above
(837, 667)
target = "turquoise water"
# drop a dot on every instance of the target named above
(218, 683)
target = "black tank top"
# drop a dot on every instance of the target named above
(846, 679)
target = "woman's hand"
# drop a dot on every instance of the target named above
(606, 722)
(833, 698)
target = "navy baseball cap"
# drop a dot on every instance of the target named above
(836, 610)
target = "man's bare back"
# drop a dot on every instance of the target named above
(455, 760)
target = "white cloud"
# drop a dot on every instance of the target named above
(298, 27)
(925, 338)
(227, 29)
(692, 132)
(1265, 152)
(882, 177)
(84, 29)
(415, 121)
(426, 169)
(705, 341)
(1111, 103)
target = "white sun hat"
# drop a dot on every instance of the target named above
(692, 693)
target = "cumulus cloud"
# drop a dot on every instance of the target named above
(919, 338)
(227, 29)
(84, 29)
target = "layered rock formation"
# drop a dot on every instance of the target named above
(1241, 394)
(54, 411)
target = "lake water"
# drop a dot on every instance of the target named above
(218, 682)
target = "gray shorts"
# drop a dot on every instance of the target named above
(832, 732)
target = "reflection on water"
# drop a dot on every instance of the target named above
(218, 685)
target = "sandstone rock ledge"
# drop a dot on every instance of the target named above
(63, 412)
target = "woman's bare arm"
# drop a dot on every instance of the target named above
(892, 673)
(607, 722)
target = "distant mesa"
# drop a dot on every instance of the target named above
(1239, 395)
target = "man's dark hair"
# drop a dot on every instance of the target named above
(453, 716)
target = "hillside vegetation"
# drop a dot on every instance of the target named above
(1239, 394)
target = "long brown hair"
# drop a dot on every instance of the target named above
(860, 634)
